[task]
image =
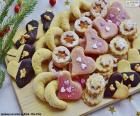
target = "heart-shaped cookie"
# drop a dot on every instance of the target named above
(68, 89)
(115, 88)
(134, 59)
(81, 80)
(136, 44)
(94, 44)
(107, 30)
(130, 77)
(117, 13)
(81, 64)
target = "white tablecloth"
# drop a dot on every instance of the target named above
(9, 103)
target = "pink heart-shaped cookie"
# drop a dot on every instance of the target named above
(107, 30)
(81, 64)
(117, 13)
(68, 89)
(94, 44)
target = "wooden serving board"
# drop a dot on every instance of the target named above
(31, 104)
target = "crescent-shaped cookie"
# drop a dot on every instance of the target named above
(50, 36)
(39, 56)
(39, 83)
(51, 97)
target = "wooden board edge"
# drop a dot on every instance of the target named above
(17, 98)
(111, 102)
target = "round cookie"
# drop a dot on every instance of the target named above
(92, 100)
(53, 68)
(95, 84)
(98, 8)
(119, 46)
(61, 56)
(82, 24)
(105, 63)
(69, 39)
(128, 29)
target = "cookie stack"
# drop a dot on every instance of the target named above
(93, 94)
(105, 65)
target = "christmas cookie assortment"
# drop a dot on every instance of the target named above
(89, 52)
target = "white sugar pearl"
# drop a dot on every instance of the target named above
(69, 90)
(66, 82)
(119, 9)
(94, 46)
(79, 59)
(107, 28)
(83, 66)
(62, 89)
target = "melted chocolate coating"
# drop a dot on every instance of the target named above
(30, 49)
(133, 83)
(46, 23)
(114, 77)
(27, 64)
(30, 40)
(133, 66)
(119, 77)
(34, 24)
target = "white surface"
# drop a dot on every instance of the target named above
(8, 101)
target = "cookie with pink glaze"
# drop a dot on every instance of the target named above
(94, 44)
(68, 89)
(81, 64)
(107, 30)
(82, 43)
(117, 13)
